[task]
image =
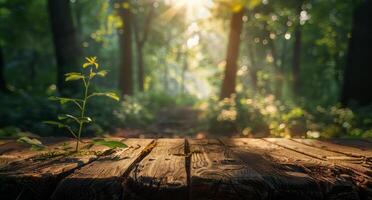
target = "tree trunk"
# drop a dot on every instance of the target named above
(66, 45)
(183, 73)
(125, 42)
(296, 60)
(278, 72)
(357, 76)
(253, 68)
(140, 43)
(229, 81)
(141, 69)
(3, 87)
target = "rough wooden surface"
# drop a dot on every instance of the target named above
(102, 178)
(231, 169)
(161, 174)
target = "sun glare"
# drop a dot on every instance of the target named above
(195, 9)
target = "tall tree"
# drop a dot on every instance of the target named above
(229, 81)
(357, 76)
(2, 78)
(236, 24)
(67, 49)
(296, 59)
(140, 43)
(125, 43)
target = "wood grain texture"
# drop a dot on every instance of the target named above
(292, 174)
(240, 168)
(216, 173)
(13, 151)
(37, 178)
(347, 147)
(340, 159)
(103, 178)
(161, 174)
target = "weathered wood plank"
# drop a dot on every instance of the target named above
(216, 173)
(339, 159)
(37, 178)
(12, 146)
(103, 178)
(4, 141)
(161, 174)
(12, 151)
(340, 146)
(290, 171)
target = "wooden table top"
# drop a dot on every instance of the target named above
(241, 168)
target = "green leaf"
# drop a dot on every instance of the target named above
(110, 144)
(35, 143)
(54, 123)
(73, 76)
(85, 119)
(92, 75)
(73, 73)
(102, 73)
(63, 100)
(60, 99)
(67, 116)
(107, 94)
(85, 65)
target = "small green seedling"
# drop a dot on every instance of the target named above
(90, 72)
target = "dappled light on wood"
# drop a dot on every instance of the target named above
(191, 169)
(185, 99)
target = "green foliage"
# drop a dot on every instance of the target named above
(266, 116)
(81, 104)
(21, 112)
(11, 131)
(33, 142)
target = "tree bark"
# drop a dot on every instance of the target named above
(140, 43)
(3, 87)
(125, 43)
(357, 82)
(229, 81)
(67, 49)
(253, 68)
(183, 73)
(278, 71)
(296, 60)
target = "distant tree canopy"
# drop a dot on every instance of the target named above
(296, 50)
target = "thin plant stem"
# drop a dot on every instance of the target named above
(86, 86)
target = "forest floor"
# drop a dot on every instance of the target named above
(170, 122)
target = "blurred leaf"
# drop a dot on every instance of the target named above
(237, 7)
(85, 119)
(110, 144)
(35, 143)
(73, 76)
(67, 116)
(91, 61)
(102, 73)
(107, 94)
(252, 3)
(58, 124)
(73, 73)
(64, 100)
(92, 75)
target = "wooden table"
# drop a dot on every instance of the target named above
(189, 169)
